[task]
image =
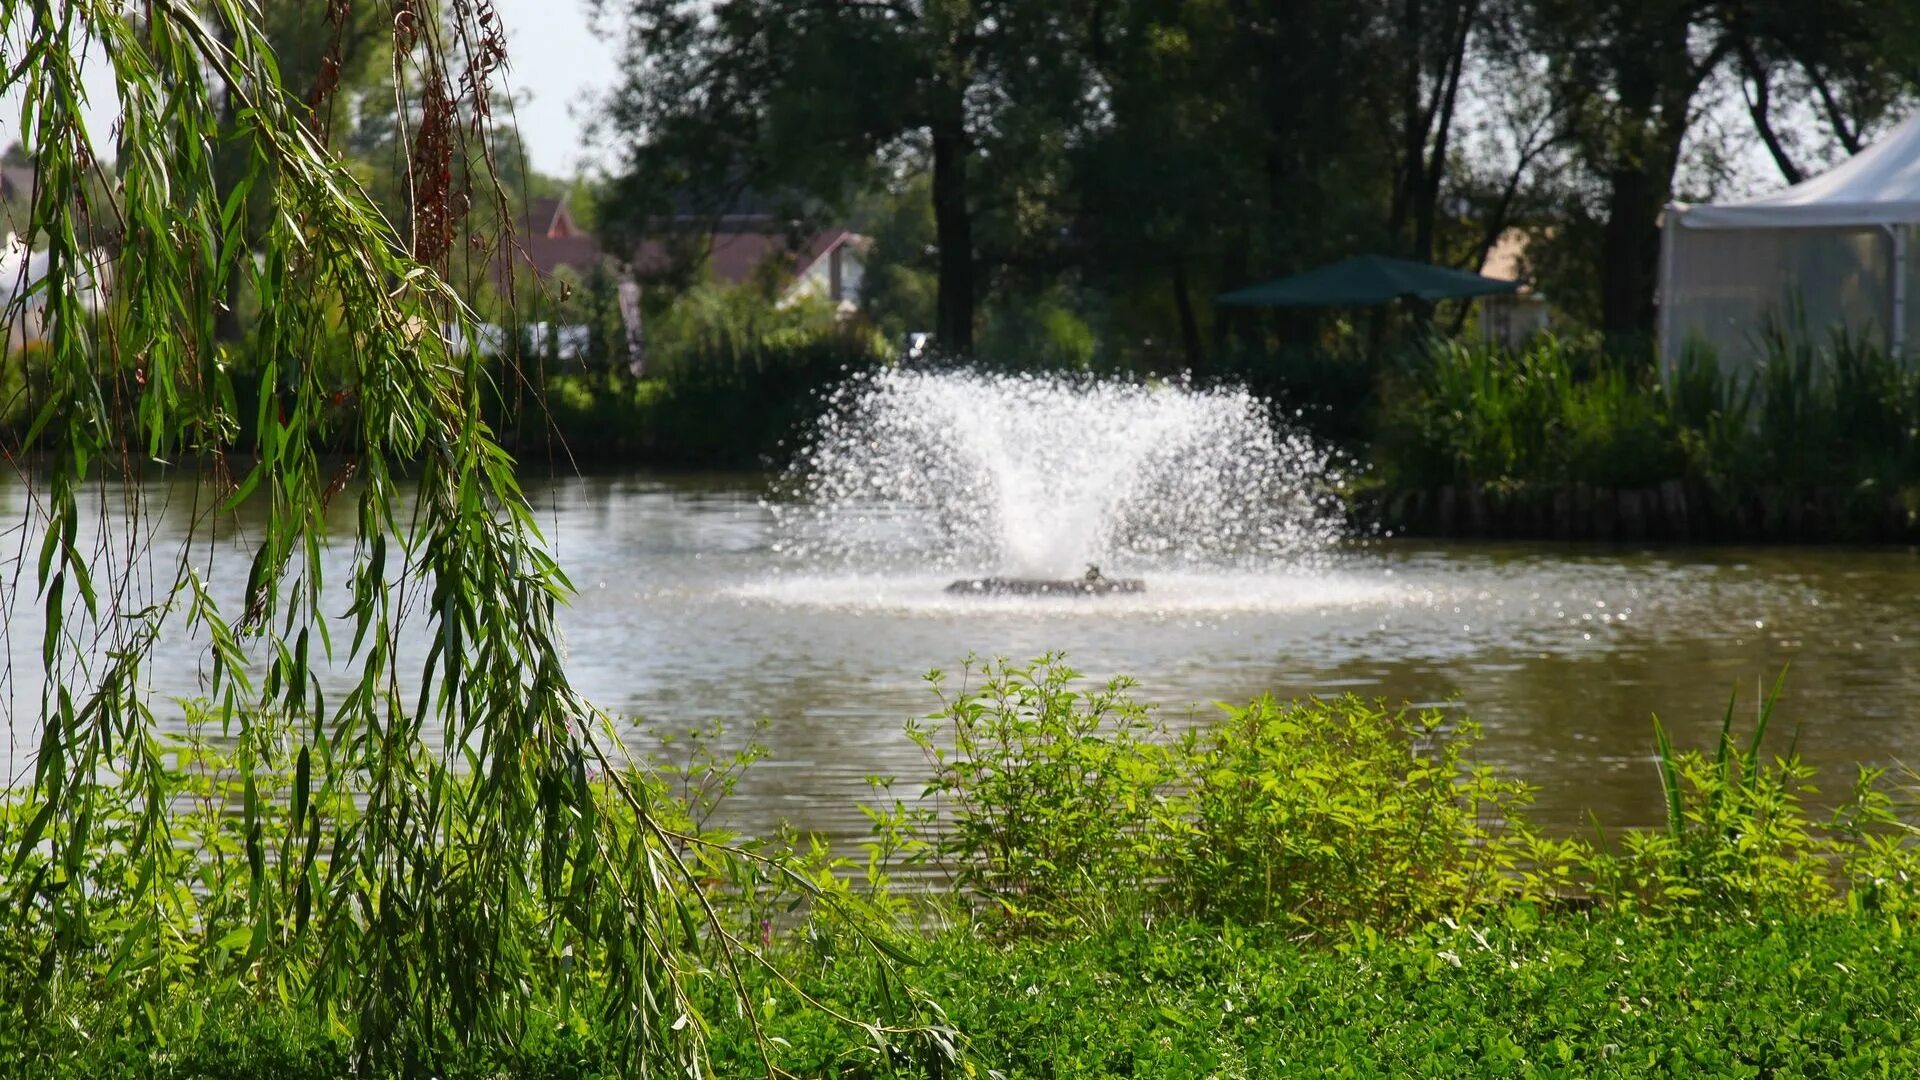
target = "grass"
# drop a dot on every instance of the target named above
(1572, 995)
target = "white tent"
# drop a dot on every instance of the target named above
(22, 307)
(1835, 251)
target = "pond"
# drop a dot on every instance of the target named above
(689, 611)
(1562, 654)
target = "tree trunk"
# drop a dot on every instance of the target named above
(1189, 325)
(953, 232)
(1434, 168)
(1656, 105)
(1630, 252)
(1760, 109)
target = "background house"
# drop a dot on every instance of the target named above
(735, 249)
(1512, 319)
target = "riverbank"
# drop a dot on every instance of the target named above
(1558, 442)
(1310, 885)
(1568, 443)
(1673, 512)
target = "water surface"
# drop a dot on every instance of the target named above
(1561, 653)
(688, 613)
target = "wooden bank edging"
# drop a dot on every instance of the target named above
(1677, 511)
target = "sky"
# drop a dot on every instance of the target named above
(557, 66)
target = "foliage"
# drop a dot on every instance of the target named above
(1060, 806)
(726, 399)
(1571, 996)
(1322, 813)
(1157, 153)
(197, 968)
(414, 861)
(1066, 808)
(1565, 996)
(1839, 419)
(1738, 839)
(1051, 790)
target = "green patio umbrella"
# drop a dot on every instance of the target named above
(1368, 281)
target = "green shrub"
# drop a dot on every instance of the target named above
(1048, 791)
(1060, 806)
(1325, 812)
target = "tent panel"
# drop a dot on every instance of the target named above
(1801, 216)
(1726, 287)
(1878, 186)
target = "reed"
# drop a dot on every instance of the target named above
(1827, 420)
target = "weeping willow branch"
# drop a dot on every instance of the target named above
(410, 858)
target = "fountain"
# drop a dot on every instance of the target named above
(1025, 485)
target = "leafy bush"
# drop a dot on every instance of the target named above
(1050, 791)
(1321, 813)
(1060, 806)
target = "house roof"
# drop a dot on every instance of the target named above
(549, 253)
(734, 255)
(548, 215)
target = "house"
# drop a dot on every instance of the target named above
(1513, 319)
(828, 265)
(547, 239)
(832, 267)
(736, 248)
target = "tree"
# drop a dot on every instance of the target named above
(323, 52)
(1626, 75)
(1433, 39)
(1629, 78)
(801, 102)
(413, 858)
(1844, 64)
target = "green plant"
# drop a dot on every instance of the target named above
(1046, 790)
(1320, 813)
(1067, 806)
(416, 861)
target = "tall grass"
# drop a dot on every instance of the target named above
(1837, 418)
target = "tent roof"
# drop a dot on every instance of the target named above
(1878, 186)
(1368, 281)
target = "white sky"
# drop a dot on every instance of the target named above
(557, 65)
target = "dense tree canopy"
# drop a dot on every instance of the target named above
(1143, 154)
